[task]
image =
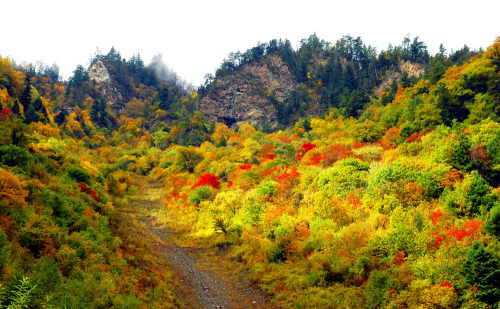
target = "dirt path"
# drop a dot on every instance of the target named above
(202, 284)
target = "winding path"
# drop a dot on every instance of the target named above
(202, 284)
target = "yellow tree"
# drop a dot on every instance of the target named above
(221, 132)
(12, 190)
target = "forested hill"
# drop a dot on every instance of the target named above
(272, 85)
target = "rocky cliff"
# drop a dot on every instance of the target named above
(99, 73)
(413, 69)
(244, 95)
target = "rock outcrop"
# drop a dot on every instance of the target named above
(99, 73)
(413, 69)
(244, 95)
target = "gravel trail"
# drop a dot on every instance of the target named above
(202, 283)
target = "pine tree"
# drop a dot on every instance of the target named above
(481, 270)
(30, 115)
(16, 109)
(25, 98)
(60, 118)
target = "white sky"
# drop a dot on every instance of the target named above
(194, 36)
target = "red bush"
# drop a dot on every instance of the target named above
(399, 258)
(245, 166)
(86, 189)
(270, 156)
(289, 176)
(435, 216)
(472, 228)
(5, 113)
(208, 180)
(438, 240)
(304, 149)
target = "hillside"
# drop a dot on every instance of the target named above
(348, 194)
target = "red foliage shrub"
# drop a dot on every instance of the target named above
(5, 113)
(477, 154)
(438, 240)
(317, 160)
(289, 176)
(246, 166)
(86, 189)
(435, 216)
(304, 149)
(357, 145)
(208, 180)
(472, 228)
(270, 156)
(353, 200)
(399, 258)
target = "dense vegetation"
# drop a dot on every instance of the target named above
(385, 201)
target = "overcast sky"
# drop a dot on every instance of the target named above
(194, 36)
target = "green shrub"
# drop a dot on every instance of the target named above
(199, 194)
(343, 177)
(79, 175)
(47, 275)
(33, 239)
(3, 249)
(253, 214)
(266, 187)
(493, 224)
(14, 156)
(378, 283)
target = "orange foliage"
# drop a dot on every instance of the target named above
(266, 149)
(284, 139)
(452, 178)
(391, 138)
(472, 228)
(12, 190)
(302, 231)
(436, 216)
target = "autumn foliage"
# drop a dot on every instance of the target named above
(208, 180)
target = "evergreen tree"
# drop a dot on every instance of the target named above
(25, 98)
(31, 115)
(16, 109)
(450, 109)
(481, 270)
(60, 118)
(493, 224)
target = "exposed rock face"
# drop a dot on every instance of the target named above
(99, 73)
(413, 69)
(243, 96)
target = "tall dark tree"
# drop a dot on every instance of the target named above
(450, 108)
(30, 115)
(25, 98)
(60, 118)
(481, 270)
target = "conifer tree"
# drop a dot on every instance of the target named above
(25, 98)
(31, 115)
(481, 270)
